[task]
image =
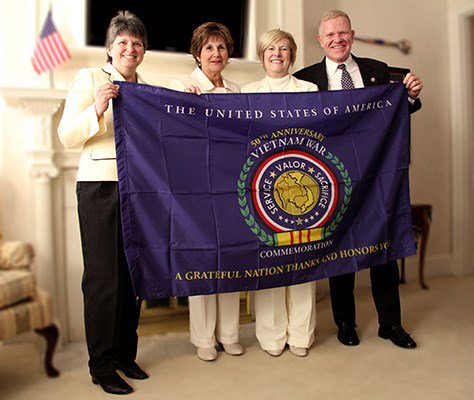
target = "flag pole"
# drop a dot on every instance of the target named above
(51, 79)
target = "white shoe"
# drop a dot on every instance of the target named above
(234, 349)
(275, 353)
(207, 354)
(299, 351)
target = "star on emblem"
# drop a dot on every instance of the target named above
(311, 170)
(299, 221)
(272, 174)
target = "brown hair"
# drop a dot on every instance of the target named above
(204, 32)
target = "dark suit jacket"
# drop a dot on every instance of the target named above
(373, 73)
(384, 279)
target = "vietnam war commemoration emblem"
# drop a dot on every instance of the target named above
(292, 189)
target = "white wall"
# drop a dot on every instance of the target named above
(430, 168)
(424, 23)
(460, 20)
(15, 186)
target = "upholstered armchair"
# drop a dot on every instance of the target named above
(23, 306)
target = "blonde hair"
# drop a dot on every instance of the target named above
(334, 14)
(272, 36)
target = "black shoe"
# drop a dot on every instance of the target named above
(112, 383)
(347, 335)
(397, 335)
(132, 371)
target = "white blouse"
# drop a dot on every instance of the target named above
(199, 79)
(286, 84)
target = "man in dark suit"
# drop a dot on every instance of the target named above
(341, 70)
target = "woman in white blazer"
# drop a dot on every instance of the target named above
(212, 318)
(285, 314)
(111, 312)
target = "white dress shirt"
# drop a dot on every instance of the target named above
(334, 73)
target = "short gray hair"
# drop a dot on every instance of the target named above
(125, 22)
(334, 14)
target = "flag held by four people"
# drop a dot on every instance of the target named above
(236, 192)
(50, 50)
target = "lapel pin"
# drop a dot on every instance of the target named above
(372, 79)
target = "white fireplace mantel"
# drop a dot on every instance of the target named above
(21, 95)
(41, 105)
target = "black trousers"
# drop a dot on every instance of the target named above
(111, 312)
(384, 281)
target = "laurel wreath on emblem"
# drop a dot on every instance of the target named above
(267, 238)
(244, 208)
(329, 230)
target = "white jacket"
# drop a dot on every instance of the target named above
(80, 129)
(199, 79)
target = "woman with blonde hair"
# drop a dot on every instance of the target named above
(284, 314)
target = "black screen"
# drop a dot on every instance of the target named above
(170, 24)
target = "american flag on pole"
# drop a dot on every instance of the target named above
(50, 50)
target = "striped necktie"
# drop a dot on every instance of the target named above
(346, 80)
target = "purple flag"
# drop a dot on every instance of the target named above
(235, 192)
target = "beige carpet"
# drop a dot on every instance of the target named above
(441, 319)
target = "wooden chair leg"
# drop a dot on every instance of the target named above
(50, 333)
(402, 273)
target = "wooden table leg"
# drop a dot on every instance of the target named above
(402, 271)
(421, 217)
(426, 215)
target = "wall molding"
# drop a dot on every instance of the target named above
(461, 67)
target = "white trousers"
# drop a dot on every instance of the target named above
(286, 315)
(214, 318)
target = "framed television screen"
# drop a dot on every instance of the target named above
(169, 24)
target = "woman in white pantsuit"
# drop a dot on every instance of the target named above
(286, 314)
(212, 318)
